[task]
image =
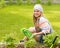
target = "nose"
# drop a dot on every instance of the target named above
(35, 12)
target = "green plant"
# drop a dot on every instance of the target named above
(19, 2)
(30, 44)
(28, 2)
(48, 39)
(2, 3)
(38, 1)
(10, 42)
(49, 2)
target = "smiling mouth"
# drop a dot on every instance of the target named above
(36, 15)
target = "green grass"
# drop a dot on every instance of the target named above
(13, 18)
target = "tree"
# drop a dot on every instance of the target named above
(38, 1)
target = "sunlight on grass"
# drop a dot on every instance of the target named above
(56, 24)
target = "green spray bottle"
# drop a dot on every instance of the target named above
(27, 33)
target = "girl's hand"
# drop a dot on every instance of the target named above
(34, 34)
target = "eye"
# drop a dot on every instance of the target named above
(37, 10)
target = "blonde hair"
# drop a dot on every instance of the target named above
(38, 29)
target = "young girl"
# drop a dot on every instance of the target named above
(41, 24)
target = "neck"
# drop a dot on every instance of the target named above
(39, 16)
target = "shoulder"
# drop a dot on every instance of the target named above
(42, 19)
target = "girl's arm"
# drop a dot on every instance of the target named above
(45, 28)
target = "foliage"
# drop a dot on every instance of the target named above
(2, 3)
(48, 39)
(39, 1)
(30, 44)
(11, 43)
(18, 2)
(49, 2)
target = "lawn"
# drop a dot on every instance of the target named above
(13, 18)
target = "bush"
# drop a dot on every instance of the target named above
(30, 44)
(48, 39)
(10, 42)
(2, 3)
(49, 2)
(38, 1)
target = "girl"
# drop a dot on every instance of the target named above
(41, 24)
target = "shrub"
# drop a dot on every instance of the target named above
(49, 2)
(10, 42)
(48, 39)
(30, 44)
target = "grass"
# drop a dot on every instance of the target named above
(13, 18)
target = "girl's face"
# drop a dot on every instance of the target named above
(37, 13)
